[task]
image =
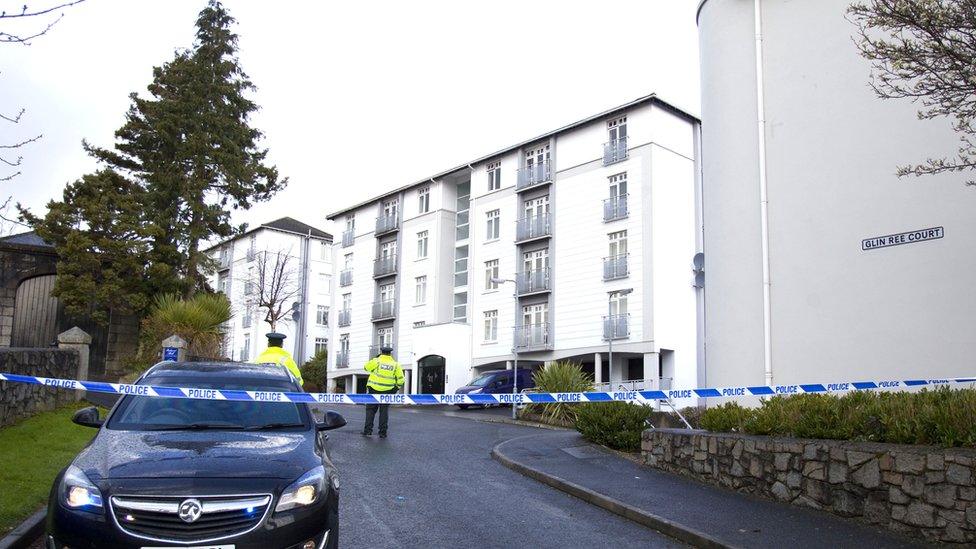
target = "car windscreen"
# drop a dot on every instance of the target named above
(141, 413)
(482, 381)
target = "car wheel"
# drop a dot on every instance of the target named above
(462, 406)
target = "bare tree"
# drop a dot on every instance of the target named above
(273, 285)
(46, 12)
(925, 51)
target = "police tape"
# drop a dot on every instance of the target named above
(197, 393)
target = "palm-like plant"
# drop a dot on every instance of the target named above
(561, 377)
(199, 320)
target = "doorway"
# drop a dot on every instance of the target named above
(431, 374)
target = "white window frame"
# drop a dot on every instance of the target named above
(617, 243)
(494, 224)
(618, 185)
(347, 261)
(325, 283)
(491, 326)
(423, 200)
(324, 248)
(322, 315)
(246, 350)
(618, 304)
(344, 344)
(248, 317)
(422, 241)
(420, 293)
(347, 302)
(387, 292)
(617, 129)
(322, 342)
(494, 170)
(491, 271)
(384, 336)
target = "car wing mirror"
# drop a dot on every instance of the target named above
(332, 420)
(88, 417)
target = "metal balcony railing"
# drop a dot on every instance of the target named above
(616, 327)
(530, 282)
(655, 384)
(530, 176)
(529, 228)
(342, 359)
(251, 254)
(348, 237)
(615, 151)
(385, 265)
(615, 208)
(374, 350)
(615, 266)
(345, 318)
(383, 310)
(223, 262)
(345, 277)
(533, 337)
(386, 223)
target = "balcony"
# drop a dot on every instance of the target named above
(615, 208)
(531, 228)
(383, 310)
(532, 176)
(387, 223)
(616, 327)
(342, 359)
(223, 262)
(345, 277)
(348, 237)
(615, 151)
(374, 350)
(533, 337)
(615, 267)
(345, 318)
(385, 266)
(533, 282)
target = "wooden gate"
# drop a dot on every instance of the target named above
(35, 313)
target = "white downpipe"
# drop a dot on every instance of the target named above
(763, 202)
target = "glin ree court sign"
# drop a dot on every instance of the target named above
(910, 237)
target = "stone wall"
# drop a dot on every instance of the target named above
(18, 263)
(922, 491)
(20, 400)
(123, 344)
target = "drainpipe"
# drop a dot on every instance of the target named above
(763, 201)
(301, 329)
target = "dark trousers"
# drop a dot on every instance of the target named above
(384, 412)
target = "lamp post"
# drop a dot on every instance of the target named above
(496, 280)
(611, 327)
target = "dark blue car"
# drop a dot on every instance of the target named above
(496, 381)
(165, 472)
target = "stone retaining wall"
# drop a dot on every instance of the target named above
(921, 491)
(20, 400)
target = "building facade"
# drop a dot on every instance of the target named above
(797, 288)
(548, 250)
(295, 259)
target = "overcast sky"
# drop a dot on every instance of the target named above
(356, 97)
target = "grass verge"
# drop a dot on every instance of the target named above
(33, 452)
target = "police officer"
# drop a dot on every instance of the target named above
(274, 354)
(385, 377)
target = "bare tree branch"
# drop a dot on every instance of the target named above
(15, 119)
(25, 13)
(272, 285)
(22, 143)
(10, 38)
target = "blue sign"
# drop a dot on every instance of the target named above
(171, 353)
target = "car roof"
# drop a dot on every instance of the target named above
(493, 372)
(221, 369)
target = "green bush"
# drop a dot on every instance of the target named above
(944, 416)
(617, 425)
(560, 377)
(313, 371)
(199, 321)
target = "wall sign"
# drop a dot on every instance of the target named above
(171, 353)
(910, 237)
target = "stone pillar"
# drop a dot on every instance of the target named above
(79, 340)
(174, 342)
(597, 368)
(508, 364)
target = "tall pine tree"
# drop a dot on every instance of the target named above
(192, 148)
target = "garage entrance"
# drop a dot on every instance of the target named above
(431, 373)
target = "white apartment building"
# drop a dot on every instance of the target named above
(811, 289)
(306, 255)
(605, 204)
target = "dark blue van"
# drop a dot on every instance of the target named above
(496, 381)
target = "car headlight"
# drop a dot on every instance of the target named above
(304, 491)
(474, 392)
(77, 492)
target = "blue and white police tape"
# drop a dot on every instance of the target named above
(478, 398)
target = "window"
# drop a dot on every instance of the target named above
(461, 307)
(325, 283)
(535, 261)
(347, 262)
(248, 315)
(346, 302)
(421, 244)
(617, 129)
(322, 315)
(384, 337)
(321, 345)
(351, 223)
(390, 207)
(421, 295)
(491, 272)
(246, 350)
(386, 292)
(461, 266)
(491, 326)
(536, 207)
(344, 344)
(535, 315)
(252, 247)
(618, 304)
(324, 250)
(494, 225)
(618, 243)
(423, 200)
(388, 249)
(420, 324)
(251, 284)
(537, 157)
(494, 175)
(618, 185)
(463, 204)
(223, 284)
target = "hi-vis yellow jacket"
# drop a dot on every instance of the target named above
(385, 373)
(277, 355)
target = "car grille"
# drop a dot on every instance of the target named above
(158, 518)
